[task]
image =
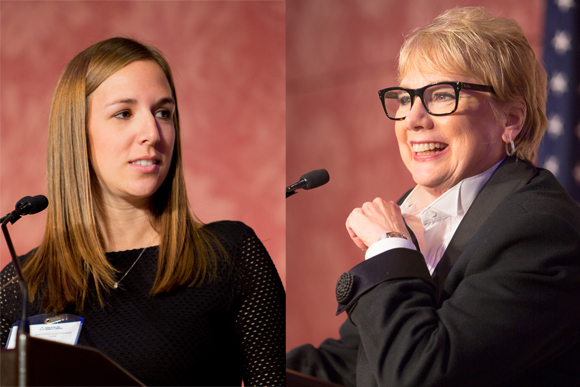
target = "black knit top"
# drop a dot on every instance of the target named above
(213, 335)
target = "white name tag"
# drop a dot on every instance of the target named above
(63, 328)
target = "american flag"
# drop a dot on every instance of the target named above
(560, 148)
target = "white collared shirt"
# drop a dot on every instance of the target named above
(435, 223)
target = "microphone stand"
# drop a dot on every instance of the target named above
(24, 327)
(291, 189)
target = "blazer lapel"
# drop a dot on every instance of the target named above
(511, 175)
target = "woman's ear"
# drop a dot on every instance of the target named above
(513, 119)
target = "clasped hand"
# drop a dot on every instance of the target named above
(366, 224)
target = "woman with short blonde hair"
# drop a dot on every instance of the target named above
(472, 278)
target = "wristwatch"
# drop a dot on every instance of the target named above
(393, 234)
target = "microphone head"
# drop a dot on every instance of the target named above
(22, 202)
(31, 205)
(315, 178)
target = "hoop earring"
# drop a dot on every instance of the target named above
(513, 146)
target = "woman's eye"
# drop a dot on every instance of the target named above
(123, 114)
(166, 114)
(443, 97)
(406, 100)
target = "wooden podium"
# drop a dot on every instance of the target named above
(48, 363)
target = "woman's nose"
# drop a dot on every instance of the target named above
(418, 118)
(150, 131)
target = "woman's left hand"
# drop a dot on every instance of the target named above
(366, 224)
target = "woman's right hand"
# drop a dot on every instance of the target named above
(366, 224)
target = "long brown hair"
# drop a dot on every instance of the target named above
(70, 263)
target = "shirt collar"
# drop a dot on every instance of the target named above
(455, 201)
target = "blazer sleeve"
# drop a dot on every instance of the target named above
(514, 305)
(334, 361)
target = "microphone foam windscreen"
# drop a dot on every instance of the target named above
(36, 204)
(315, 178)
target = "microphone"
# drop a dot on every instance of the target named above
(310, 180)
(30, 205)
(25, 206)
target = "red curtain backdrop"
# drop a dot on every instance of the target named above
(339, 54)
(228, 60)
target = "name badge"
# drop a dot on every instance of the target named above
(64, 328)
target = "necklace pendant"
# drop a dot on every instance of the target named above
(116, 284)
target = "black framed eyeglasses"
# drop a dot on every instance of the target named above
(439, 99)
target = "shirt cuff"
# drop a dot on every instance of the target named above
(388, 244)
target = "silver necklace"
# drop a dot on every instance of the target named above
(116, 284)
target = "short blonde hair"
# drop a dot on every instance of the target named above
(493, 50)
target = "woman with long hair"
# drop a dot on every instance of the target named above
(173, 301)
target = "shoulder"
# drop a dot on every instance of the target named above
(526, 204)
(518, 186)
(544, 194)
(234, 236)
(8, 273)
(229, 230)
(534, 228)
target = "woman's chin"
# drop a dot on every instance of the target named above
(431, 180)
(136, 198)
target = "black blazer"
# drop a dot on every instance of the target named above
(502, 308)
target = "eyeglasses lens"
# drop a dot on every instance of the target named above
(438, 99)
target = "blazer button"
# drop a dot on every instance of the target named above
(345, 288)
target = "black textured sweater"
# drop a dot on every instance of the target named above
(217, 334)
